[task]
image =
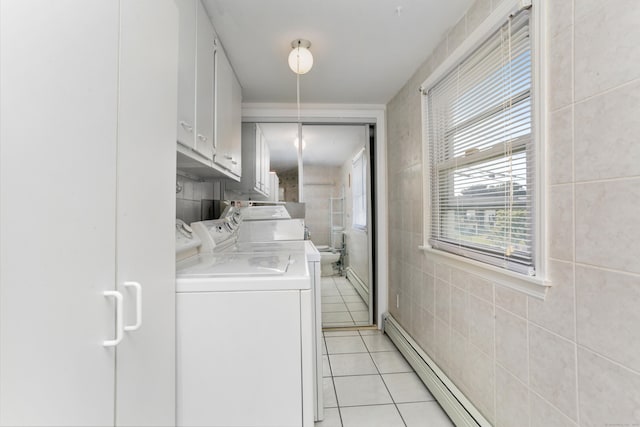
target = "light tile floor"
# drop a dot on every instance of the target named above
(368, 383)
(341, 304)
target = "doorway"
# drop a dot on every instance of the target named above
(336, 182)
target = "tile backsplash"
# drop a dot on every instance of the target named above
(189, 194)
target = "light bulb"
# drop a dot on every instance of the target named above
(300, 60)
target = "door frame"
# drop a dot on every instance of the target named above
(346, 114)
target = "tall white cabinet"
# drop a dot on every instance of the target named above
(87, 178)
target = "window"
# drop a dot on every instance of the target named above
(359, 191)
(481, 152)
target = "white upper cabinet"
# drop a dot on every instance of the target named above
(187, 73)
(209, 100)
(256, 164)
(205, 96)
(228, 116)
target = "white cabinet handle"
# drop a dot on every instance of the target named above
(138, 288)
(186, 126)
(202, 138)
(119, 332)
(228, 157)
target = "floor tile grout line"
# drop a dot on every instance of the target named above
(333, 383)
(388, 391)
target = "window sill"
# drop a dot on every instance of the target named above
(530, 285)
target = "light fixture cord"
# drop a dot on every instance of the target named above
(298, 94)
(298, 80)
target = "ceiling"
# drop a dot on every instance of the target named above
(364, 50)
(324, 145)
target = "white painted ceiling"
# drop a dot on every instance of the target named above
(324, 145)
(364, 50)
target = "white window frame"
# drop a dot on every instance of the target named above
(362, 191)
(537, 285)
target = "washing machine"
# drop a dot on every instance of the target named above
(254, 229)
(245, 342)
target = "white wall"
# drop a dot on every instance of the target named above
(574, 358)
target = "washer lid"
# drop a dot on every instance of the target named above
(234, 264)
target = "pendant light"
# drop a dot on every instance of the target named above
(300, 58)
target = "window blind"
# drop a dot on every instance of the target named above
(481, 152)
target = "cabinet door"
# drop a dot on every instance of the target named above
(57, 215)
(204, 83)
(187, 73)
(227, 128)
(235, 143)
(145, 374)
(259, 142)
(266, 165)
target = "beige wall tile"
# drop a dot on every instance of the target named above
(543, 414)
(607, 129)
(481, 381)
(443, 272)
(480, 287)
(607, 52)
(560, 146)
(609, 394)
(607, 231)
(459, 349)
(561, 68)
(443, 300)
(552, 366)
(608, 314)
(511, 344)
(561, 222)
(460, 278)
(512, 401)
(481, 324)
(427, 332)
(459, 311)
(510, 300)
(557, 311)
(428, 265)
(428, 292)
(443, 343)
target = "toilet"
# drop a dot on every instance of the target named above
(327, 258)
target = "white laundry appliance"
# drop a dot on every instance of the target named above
(253, 229)
(245, 344)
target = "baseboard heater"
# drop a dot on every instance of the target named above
(453, 401)
(357, 283)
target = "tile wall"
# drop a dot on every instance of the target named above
(189, 197)
(320, 184)
(573, 359)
